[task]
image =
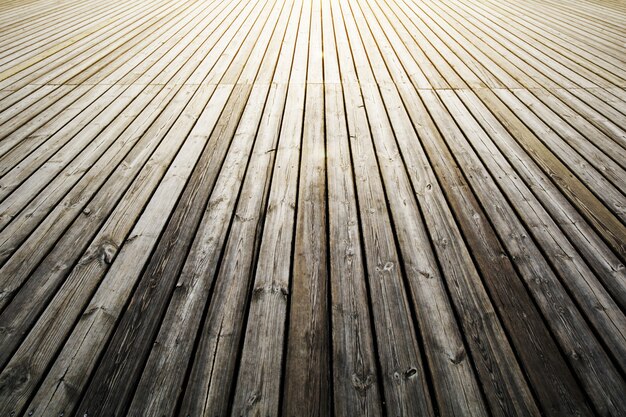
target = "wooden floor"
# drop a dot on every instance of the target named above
(312, 208)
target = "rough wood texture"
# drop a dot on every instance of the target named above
(312, 208)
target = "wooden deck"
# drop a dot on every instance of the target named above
(312, 208)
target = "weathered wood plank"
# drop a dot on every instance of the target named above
(539, 355)
(356, 385)
(312, 207)
(550, 295)
(131, 344)
(403, 370)
(259, 379)
(308, 386)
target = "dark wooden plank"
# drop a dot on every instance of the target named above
(561, 313)
(34, 249)
(44, 280)
(551, 380)
(592, 209)
(126, 353)
(308, 386)
(506, 391)
(356, 384)
(93, 268)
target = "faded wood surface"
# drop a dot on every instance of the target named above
(312, 208)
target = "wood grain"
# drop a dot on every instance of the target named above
(312, 208)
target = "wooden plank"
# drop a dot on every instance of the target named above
(356, 381)
(441, 74)
(40, 248)
(45, 187)
(539, 355)
(58, 112)
(549, 294)
(33, 16)
(80, 353)
(49, 334)
(72, 173)
(190, 290)
(61, 129)
(97, 258)
(563, 38)
(582, 68)
(403, 374)
(510, 395)
(307, 389)
(586, 173)
(27, 47)
(258, 386)
(74, 67)
(76, 238)
(315, 207)
(588, 204)
(173, 181)
(214, 366)
(148, 56)
(14, 116)
(593, 116)
(544, 103)
(35, 67)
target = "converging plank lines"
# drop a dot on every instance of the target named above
(312, 208)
